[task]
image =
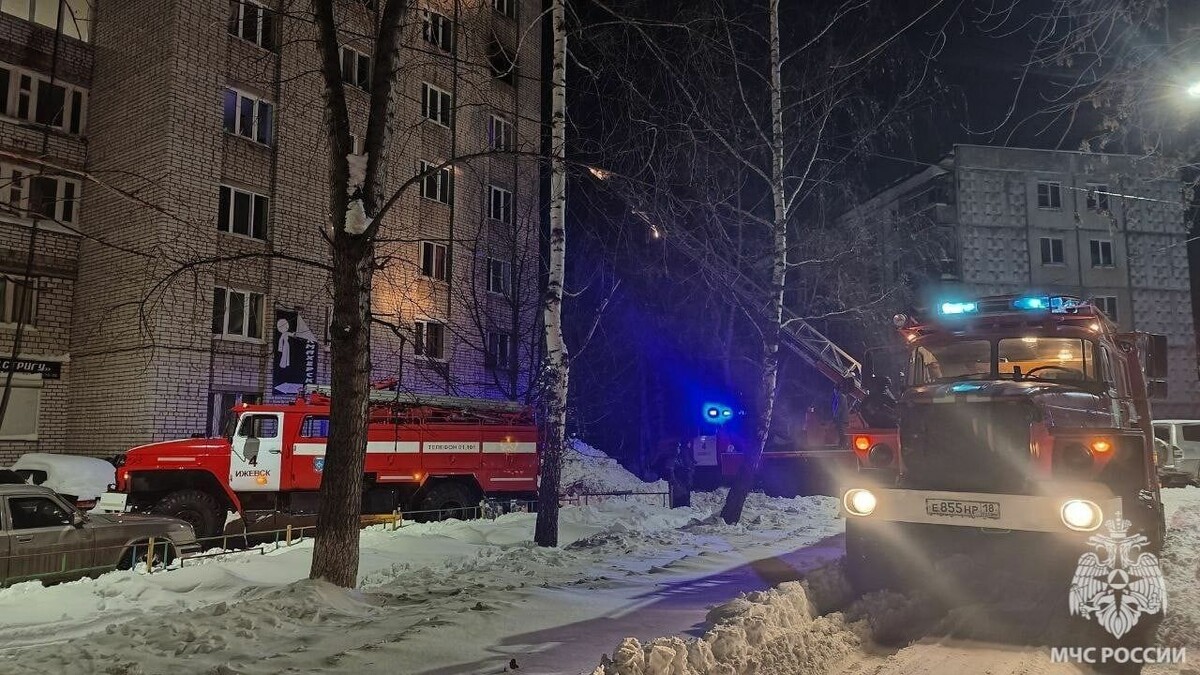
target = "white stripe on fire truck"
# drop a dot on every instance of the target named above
(397, 478)
(176, 459)
(444, 447)
(511, 480)
(514, 448)
(373, 447)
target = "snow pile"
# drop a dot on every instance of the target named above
(83, 477)
(588, 470)
(1181, 567)
(776, 631)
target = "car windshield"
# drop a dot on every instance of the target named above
(1064, 359)
(1047, 358)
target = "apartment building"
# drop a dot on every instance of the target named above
(992, 220)
(165, 202)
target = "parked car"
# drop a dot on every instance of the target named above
(79, 479)
(1168, 472)
(1184, 434)
(42, 536)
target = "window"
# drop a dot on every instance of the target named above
(1049, 195)
(433, 261)
(1190, 432)
(956, 360)
(356, 69)
(76, 18)
(242, 212)
(24, 193)
(252, 22)
(237, 314)
(438, 31)
(499, 277)
(20, 421)
(1097, 197)
(223, 416)
(259, 426)
(30, 513)
(438, 184)
(504, 67)
(1107, 304)
(500, 133)
(1162, 433)
(18, 301)
(430, 339)
(1102, 252)
(315, 427)
(436, 105)
(1052, 251)
(31, 97)
(506, 7)
(247, 116)
(499, 350)
(499, 204)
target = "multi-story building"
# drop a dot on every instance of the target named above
(165, 201)
(992, 220)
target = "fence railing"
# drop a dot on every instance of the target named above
(589, 498)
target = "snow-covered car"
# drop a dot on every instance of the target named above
(48, 539)
(1169, 457)
(79, 479)
(1185, 435)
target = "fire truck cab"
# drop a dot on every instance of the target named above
(1025, 425)
(434, 454)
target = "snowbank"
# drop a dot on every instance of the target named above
(588, 470)
(772, 632)
(84, 477)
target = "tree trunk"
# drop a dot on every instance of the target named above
(557, 364)
(336, 551)
(736, 499)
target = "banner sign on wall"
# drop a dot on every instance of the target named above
(295, 359)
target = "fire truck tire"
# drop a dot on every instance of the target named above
(198, 508)
(449, 499)
(868, 567)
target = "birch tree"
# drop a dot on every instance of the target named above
(557, 365)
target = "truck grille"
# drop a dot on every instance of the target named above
(968, 447)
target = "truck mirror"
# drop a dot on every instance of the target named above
(1156, 388)
(1156, 357)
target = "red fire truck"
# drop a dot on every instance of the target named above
(435, 454)
(1025, 426)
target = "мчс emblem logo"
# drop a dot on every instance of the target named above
(318, 464)
(1118, 582)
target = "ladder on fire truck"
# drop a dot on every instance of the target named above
(432, 407)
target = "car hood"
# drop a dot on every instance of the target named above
(172, 526)
(183, 447)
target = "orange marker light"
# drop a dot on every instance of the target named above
(1101, 446)
(261, 480)
(862, 443)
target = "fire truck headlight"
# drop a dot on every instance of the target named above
(859, 502)
(1081, 515)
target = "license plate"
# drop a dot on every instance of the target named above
(960, 508)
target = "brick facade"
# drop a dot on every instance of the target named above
(126, 293)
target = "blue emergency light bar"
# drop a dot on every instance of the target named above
(1034, 302)
(1026, 303)
(959, 307)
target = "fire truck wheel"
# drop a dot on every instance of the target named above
(449, 500)
(196, 507)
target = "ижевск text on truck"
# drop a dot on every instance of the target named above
(436, 454)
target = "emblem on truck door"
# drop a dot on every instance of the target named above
(318, 464)
(1117, 582)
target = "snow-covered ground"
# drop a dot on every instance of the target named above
(467, 597)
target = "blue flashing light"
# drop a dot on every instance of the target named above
(717, 413)
(959, 307)
(1035, 302)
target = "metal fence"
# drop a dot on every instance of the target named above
(590, 498)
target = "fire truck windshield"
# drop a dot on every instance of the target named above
(1035, 358)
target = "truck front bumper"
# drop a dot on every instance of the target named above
(1073, 509)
